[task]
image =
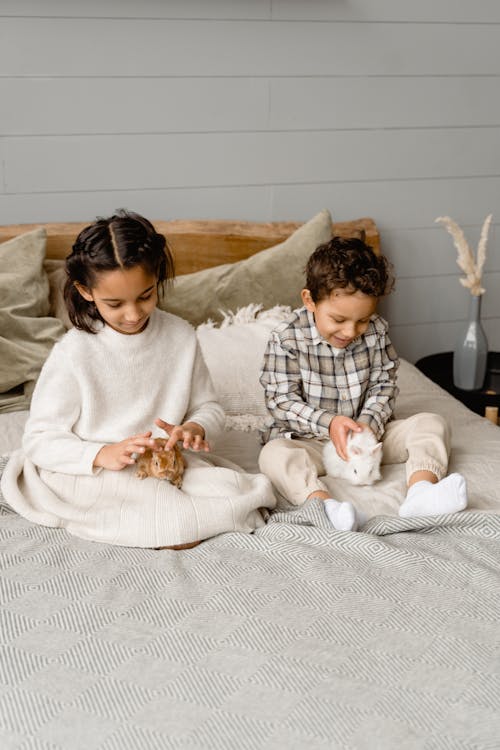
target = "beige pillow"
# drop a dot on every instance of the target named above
(27, 332)
(272, 276)
(56, 271)
(234, 352)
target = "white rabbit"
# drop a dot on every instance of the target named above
(364, 457)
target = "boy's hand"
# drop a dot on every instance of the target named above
(117, 456)
(339, 428)
(190, 434)
(366, 427)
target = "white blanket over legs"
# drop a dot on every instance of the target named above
(116, 507)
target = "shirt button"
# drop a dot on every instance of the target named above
(344, 397)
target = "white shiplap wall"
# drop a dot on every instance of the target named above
(266, 110)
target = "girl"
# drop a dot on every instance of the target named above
(125, 366)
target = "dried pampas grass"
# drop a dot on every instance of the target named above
(473, 268)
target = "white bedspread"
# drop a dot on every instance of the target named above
(295, 636)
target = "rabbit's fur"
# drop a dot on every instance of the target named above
(364, 457)
(162, 464)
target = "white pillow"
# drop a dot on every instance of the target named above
(234, 352)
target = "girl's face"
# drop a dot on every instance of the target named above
(341, 317)
(125, 298)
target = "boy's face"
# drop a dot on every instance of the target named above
(341, 317)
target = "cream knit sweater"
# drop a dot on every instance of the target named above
(101, 388)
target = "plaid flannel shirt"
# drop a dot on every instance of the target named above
(307, 382)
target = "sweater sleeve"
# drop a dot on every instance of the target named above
(49, 440)
(203, 405)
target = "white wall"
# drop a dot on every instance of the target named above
(266, 110)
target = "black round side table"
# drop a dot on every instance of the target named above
(439, 368)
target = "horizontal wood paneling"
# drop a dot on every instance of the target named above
(416, 341)
(249, 203)
(128, 105)
(266, 110)
(195, 9)
(390, 102)
(418, 253)
(32, 106)
(426, 11)
(424, 300)
(414, 251)
(395, 203)
(37, 47)
(2, 165)
(180, 160)
(2, 170)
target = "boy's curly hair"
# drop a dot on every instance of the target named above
(347, 264)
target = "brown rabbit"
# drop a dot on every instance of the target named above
(162, 464)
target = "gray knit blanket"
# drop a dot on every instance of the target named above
(295, 636)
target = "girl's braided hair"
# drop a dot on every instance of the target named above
(348, 264)
(124, 240)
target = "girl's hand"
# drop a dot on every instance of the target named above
(339, 428)
(190, 434)
(117, 456)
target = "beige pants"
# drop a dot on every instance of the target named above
(294, 466)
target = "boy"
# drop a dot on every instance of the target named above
(330, 369)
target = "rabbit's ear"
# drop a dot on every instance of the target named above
(376, 448)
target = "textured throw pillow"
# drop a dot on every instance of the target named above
(27, 332)
(234, 353)
(272, 276)
(56, 272)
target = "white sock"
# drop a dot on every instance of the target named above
(427, 499)
(342, 516)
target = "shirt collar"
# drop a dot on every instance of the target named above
(314, 334)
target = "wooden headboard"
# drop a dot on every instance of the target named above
(201, 244)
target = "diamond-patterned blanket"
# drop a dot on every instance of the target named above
(295, 636)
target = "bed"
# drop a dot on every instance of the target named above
(294, 636)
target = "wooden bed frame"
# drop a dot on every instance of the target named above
(201, 244)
